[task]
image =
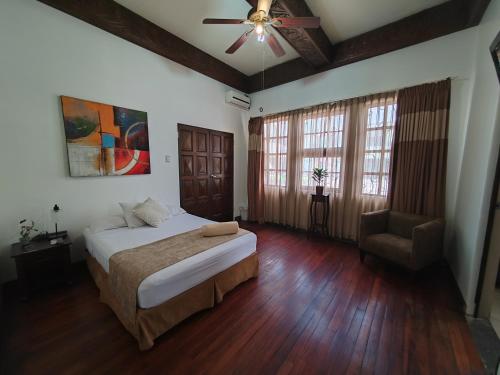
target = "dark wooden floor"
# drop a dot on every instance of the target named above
(313, 309)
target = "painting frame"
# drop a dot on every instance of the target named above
(104, 139)
(495, 54)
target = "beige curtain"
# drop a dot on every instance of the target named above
(335, 136)
(419, 170)
(255, 178)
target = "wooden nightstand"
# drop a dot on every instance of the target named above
(40, 262)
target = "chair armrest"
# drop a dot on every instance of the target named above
(428, 242)
(372, 223)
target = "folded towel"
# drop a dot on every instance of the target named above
(220, 229)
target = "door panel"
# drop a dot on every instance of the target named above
(206, 172)
(185, 140)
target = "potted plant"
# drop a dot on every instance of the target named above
(318, 175)
(25, 230)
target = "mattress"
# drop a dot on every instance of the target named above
(177, 278)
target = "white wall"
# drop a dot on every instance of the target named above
(456, 56)
(479, 161)
(45, 53)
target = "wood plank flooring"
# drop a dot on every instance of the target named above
(314, 309)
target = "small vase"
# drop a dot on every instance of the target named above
(319, 190)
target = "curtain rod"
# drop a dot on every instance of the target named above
(453, 78)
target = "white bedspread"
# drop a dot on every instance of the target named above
(179, 277)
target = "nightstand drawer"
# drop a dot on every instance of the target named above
(48, 255)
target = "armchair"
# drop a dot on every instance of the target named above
(412, 241)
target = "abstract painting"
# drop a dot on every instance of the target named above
(105, 140)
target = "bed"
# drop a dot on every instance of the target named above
(173, 293)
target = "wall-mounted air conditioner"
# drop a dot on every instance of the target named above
(238, 99)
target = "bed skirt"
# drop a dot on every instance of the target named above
(153, 322)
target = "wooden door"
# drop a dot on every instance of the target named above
(206, 172)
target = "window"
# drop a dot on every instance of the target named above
(378, 147)
(275, 152)
(323, 148)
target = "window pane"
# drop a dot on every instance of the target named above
(335, 140)
(334, 164)
(282, 177)
(275, 149)
(271, 162)
(385, 185)
(335, 180)
(283, 128)
(307, 141)
(376, 117)
(273, 146)
(272, 178)
(305, 179)
(308, 126)
(283, 145)
(282, 163)
(372, 162)
(306, 164)
(374, 139)
(370, 184)
(388, 139)
(387, 162)
(391, 115)
(337, 123)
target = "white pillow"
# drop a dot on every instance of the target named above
(128, 214)
(174, 209)
(109, 222)
(162, 210)
(149, 214)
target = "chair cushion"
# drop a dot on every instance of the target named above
(390, 246)
(402, 224)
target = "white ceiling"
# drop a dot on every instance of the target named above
(340, 19)
(343, 19)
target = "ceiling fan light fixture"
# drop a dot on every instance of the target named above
(261, 38)
(259, 28)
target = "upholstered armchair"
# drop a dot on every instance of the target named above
(412, 241)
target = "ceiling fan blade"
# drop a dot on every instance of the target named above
(236, 45)
(222, 21)
(275, 45)
(264, 5)
(303, 22)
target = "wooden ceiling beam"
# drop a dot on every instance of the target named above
(311, 44)
(475, 10)
(431, 23)
(120, 21)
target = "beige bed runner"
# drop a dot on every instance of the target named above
(128, 268)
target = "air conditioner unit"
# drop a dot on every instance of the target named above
(238, 99)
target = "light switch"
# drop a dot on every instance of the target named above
(167, 158)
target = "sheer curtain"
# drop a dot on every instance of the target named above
(352, 139)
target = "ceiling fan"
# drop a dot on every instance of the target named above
(260, 21)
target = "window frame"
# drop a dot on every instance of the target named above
(383, 151)
(327, 152)
(283, 154)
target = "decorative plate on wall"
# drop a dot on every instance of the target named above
(105, 140)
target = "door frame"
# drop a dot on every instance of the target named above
(209, 165)
(487, 239)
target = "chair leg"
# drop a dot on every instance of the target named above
(362, 255)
